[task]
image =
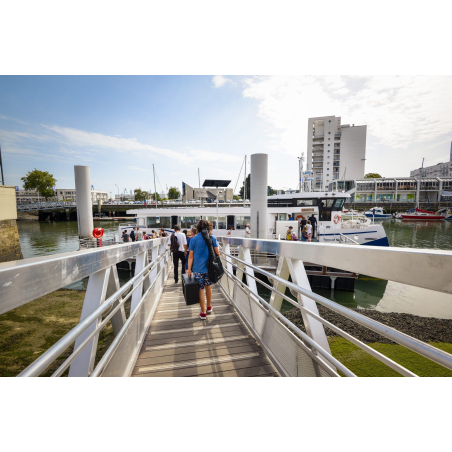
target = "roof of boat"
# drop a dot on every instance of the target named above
(311, 194)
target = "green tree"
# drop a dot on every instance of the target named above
(42, 181)
(141, 195)
(173, 193)
(372, 176)
(155, 196)
(248, 188)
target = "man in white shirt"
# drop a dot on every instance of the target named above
(247, 232)
(177, 242)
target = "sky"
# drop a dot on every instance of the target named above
(121, 125)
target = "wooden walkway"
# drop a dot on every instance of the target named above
(180, 344)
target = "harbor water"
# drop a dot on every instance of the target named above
(44, 238)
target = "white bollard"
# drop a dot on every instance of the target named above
(258, 208)
(84, 202)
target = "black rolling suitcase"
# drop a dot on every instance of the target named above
(191, 289)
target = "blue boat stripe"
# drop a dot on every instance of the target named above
(351, 233)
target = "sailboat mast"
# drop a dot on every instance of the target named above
(155, 189)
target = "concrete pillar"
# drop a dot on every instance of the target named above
(84, 203)
(259, 183)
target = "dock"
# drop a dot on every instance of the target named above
(179, 344)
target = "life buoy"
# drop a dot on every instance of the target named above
(300, 216)
(337, 218)
(98, 233)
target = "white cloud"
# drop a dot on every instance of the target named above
(208, 156)
(137, 168)
(219, 81)
(398, 110)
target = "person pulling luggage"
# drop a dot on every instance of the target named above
(197, 261)
(178, 246)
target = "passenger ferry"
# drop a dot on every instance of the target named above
(325, 206)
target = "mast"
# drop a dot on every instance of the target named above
(155, 189)
(244, 184)
(1, 166)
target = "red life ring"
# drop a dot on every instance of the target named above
(98, 233)
(300, 216)
(337, 218)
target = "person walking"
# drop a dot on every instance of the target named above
(291, 218)
(309, 230)
(304, 234)
(230, 231)
(313, 221)
(125, 236)
(139, 235)
(197, 266)
(247, 231)
(178, 246)
(301, 225)
(132, 234)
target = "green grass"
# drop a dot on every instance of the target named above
(364, 365)
(28, 331)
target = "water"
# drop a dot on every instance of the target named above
(43, 238)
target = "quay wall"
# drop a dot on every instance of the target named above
(10, 249)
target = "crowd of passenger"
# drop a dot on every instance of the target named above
(137, 235)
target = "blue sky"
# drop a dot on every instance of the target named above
(120, 126)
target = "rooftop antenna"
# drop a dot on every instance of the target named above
(300, 172)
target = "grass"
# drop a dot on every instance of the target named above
(28, 331)
(364, 365)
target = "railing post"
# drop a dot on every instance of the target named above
(245, 255)
(94, 297)
(227, 250)
(118, 320)
(140, 262)
(295, 269)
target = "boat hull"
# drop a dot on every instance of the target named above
(369, 215)
(422, 217)
(373, 235)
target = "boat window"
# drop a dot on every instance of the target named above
(339, 204)
(327, 203)
(306, 202)
(282, 217)
(325, 215)
(158, 222)
(188, 222)
(241, 222)
(213, 220)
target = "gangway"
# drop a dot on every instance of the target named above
(246, 335)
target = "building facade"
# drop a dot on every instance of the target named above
(60, 194)
(335, 151)
(188, 193)
(438, 170)
(399, 189)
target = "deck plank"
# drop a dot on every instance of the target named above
(179, 344)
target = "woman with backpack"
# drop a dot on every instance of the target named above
(198, 258)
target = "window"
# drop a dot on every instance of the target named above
(329, 133)
(241, 222)
(339, 204)
(213, 220)
(158, 222)
(329, 120)
(188, 222)
(282, 217)
(328, 144)
(306, 202)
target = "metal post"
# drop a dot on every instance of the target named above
(1, 166)
(84, 203)
(259, 174)
(244, 184)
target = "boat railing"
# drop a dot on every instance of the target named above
(346, 239)
(406, 266)
(98, 243)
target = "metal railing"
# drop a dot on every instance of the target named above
(103, 305)
(346, 239)
(358, 259)
(45, 205)
(98, 243)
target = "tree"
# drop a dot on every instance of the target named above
(41, 181)
(271, 192)
(141, 195)
(248, 188)
(173, 193)
(372, 176)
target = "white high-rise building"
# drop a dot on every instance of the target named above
(335, 151)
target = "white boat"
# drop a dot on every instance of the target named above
(326, 208)
(377, 212)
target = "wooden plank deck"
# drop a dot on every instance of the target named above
(180, 344)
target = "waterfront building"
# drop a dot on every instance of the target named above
(60, 194)
(335, 151)
(438, 170)
(397, 189)
(188, 193)
(125, 197)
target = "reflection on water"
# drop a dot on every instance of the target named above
(43, 238)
